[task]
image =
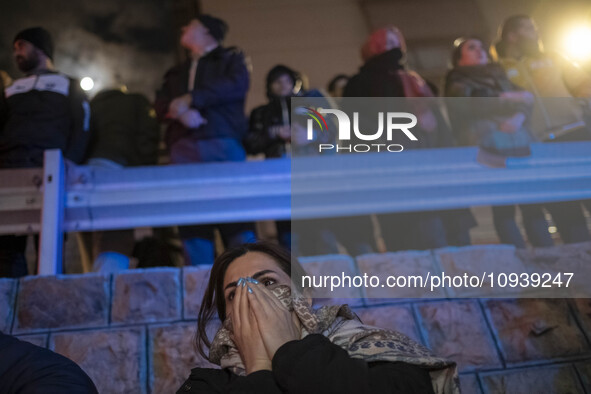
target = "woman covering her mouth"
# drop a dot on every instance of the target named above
(273, 341)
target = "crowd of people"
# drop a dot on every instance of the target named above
(201, 103)
(271, 339)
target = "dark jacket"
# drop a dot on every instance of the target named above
(314, 365)
(44, 111)
(378, 77)
(382, 76)
(476, 121)
(29, 369)
(276, 113)
(123, 129)
(221, 84)
(258, 140)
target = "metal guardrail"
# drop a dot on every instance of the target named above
(63, 197)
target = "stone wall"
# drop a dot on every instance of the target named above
(133, 332)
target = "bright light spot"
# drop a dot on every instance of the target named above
(87, 83)
(552, 230)
(578, 43)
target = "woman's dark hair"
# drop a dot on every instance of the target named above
(214, 300)
(333, 82)
(456, 53)
(510, 25)
(280, 70)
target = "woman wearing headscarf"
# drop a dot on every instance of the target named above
(498, 124)
(273, 341)
(386, 74)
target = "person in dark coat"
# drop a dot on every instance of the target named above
(271, 342)
(270, 124)
(202, 102)
(271, 134)
(29, 369)
(498, 124)
(385, 74)
(124, 129)
(43, 110)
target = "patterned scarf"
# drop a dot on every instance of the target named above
(343, 328)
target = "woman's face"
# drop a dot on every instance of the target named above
(282, 86)
(473, 54)
(257, 265)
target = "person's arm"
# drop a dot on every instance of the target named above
(79, 136)
(230, 87)
(314, 364)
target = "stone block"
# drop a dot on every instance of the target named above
(535, 329)
(333, 265)
(36, 339)
(392, 317)
(571, 258)
(582, 308)
(60, 302)
(172, 356)
(469, 384)
(7, 293)
(194, 284)
(115, 359)
(547, 380)
(399, 264)
(146, 295)
(457, 330)
(480, 261)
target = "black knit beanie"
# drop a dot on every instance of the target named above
(217, 27)
(39, 37)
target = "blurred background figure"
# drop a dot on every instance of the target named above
(202, 102)
(558, 115)
(124, 133)
(336, 86)
(44, 110)
(272, 134)
(386, 74)
(499, 125)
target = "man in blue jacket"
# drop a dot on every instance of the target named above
(202, 101)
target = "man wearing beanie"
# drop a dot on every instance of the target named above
(44, 110)
(202, 102)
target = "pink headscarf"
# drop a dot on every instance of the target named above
(376, 44)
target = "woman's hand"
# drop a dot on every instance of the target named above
(246, 333)
(276, 323)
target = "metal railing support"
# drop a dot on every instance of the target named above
(52, 216)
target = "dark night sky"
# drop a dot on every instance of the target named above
(100, 39)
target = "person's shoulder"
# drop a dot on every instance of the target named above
(232, 52)
(49, 369)
(260, 109)
(204, 378)
(177, 69)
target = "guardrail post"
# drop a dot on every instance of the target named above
(52, 215)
